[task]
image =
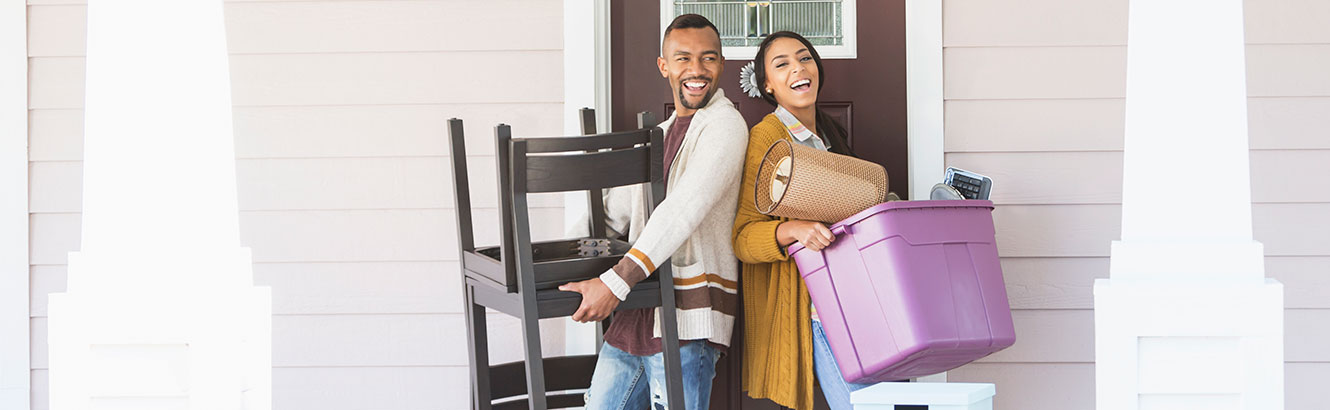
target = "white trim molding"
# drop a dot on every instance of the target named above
(923, 94)
(15, 368)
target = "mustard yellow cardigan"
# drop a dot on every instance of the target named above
(778, 338)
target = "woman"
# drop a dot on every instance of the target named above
(784, 344)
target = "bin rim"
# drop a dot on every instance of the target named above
(897, 205)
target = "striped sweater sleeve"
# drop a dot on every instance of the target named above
(711, 171)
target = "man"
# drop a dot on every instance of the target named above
(705, 143)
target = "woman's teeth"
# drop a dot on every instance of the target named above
(801, 85)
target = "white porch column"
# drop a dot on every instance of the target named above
(160, 310)
(1187, 319)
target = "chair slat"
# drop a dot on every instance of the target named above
(561, 373)
(555, 173)
(621, 139)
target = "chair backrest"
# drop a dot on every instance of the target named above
(562, 164)
(555, 164)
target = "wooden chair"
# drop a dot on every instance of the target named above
(520, 278)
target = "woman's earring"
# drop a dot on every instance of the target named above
(771, 91)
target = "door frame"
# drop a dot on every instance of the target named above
(923, 92)
(15, 351)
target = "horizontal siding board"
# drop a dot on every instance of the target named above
(55, 135)
(1044, 178)
(1304, 386)
(345, 388)
(1289, 122)
(363, 388)
(332, 131)
(1048, 178)
(315, 184)
(1306, 335)
(971, 23)
(1097, 125)
(323, 236)
(1056, 230)
(1023, 386)
(1052, 283)
(1287, 21)
(341, 26)
(1292, 229)
(1068, 283)
(375, 340)
(1034, 125)
(325, 288)
(1035, 72)
(1293, 70)
(1049, 336)
(360, 78)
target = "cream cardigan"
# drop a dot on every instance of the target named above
(691, 227)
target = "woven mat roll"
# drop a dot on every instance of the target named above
(799, 182)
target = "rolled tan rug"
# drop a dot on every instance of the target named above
(799, 182)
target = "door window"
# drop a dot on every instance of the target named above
(828, 24)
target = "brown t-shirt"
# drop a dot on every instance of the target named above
(631, 330)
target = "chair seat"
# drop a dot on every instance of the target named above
(556, 263)
(556, 303)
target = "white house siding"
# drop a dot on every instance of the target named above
(344, 190)
(1034, 98)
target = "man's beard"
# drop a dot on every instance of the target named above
(705, 98)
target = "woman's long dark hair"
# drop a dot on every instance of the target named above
(828, 128)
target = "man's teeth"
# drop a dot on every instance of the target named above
(695, 84)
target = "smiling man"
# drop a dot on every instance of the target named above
(705, 142)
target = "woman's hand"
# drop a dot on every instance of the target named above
(812, 235)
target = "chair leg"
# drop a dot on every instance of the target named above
(669, 330)
(535, 366)
(477, 344)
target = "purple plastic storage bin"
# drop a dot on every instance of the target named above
(909, 289)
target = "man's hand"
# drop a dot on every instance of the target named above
(597, 300)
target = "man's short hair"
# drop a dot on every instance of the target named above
(687, 21)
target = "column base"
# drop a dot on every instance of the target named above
(1189, 344)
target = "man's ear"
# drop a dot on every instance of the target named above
(660, 63)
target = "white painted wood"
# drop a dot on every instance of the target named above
(1288, 70)
(363, 78)
(1148, 331)
(1292, 229)
(1025, 386)
(55, 135)
(1287, 21)
(971, 23)
(15, 380)
(924, 77)
(1035, 72)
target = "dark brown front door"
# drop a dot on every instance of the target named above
(867, 94)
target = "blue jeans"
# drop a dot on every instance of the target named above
(834, 386)
(621, 380)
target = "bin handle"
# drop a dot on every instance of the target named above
(838, 230)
